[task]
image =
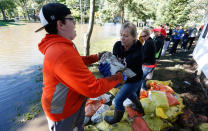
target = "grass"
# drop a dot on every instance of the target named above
(6, 24)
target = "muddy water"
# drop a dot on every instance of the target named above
(20, 63)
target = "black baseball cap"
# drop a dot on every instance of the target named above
(52, 12)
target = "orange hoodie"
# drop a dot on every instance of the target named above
(66, 78)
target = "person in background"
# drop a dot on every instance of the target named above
(159, 42)
(192, 36)
(167, 39)
(185, 40)
(176, 39)
(128, 50)
(149, 56)
(151, 30)
(66, 78)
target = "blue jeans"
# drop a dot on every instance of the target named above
(146, 71)
(128, 90)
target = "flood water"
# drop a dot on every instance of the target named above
(20, 65)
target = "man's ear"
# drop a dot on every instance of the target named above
(59, 25)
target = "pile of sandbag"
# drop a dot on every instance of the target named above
(161, 106)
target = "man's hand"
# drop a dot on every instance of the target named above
(105, 69)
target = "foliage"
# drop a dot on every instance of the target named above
(7, 8)
(174, 12)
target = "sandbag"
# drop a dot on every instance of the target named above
(114, 91)
(103, 125)
(160, 113)
(168, 83)
(132, 113)
(203, 127)
(116, 65)
(147, 105)
(156, 123)
(173, 112)
(143, 94)
(121, 126)
(159, 99)
(172, 100)
(140, 125)
(162, 88)
(92, 106)
(97, 117)
(90, 128)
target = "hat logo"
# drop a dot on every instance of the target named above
(53, 17)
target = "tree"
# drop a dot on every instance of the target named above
(6, 7)
(23, 5)
(90, 28)
(199, 11)
(174, 12)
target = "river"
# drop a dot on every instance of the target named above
(21, 61)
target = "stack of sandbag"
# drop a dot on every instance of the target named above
(95, 107)
(161, 105)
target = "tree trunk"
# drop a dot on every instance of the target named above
(4, 16)
(122, 13)
(90, 28)
(81, 11)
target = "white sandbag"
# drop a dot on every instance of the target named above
(86, 120)
(97, 117)
(127, 102)
(115, 64)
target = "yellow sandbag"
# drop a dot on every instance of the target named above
(203, 127)
(121, 126)
(176, 110)
(160, 113)
(103, 125)
(147, 105)
(112, 107)
(156, 123)
(114, 91)
(168, 83)
(90, 128)
(159, 99)
(172, 113)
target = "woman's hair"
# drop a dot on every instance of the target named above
(146, 31)
(131, 27)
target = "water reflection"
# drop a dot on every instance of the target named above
(18, 55)
(19, 44)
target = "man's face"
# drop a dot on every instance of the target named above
(157, 33)
(69, 27)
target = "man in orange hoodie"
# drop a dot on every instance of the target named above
(66, 78)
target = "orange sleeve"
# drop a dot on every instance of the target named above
(72, 72)
(90, 59)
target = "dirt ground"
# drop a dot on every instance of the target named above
(180, 69)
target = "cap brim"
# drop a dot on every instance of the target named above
(39, 29)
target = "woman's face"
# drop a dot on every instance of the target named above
(127, 39)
